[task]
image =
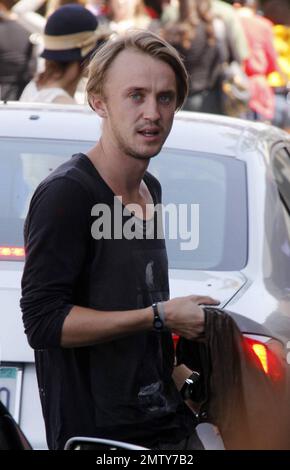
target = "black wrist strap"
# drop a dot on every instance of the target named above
(158, 323)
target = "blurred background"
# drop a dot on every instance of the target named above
(237, 53)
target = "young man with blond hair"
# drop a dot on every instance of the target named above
(96, 308)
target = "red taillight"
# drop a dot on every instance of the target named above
(175, 340)
(12, 253)
(270, 356)
(270, 362)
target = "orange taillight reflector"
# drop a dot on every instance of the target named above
(269, 360)
(175, 340)
(261, 352)
(11, 252)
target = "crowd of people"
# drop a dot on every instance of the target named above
(236, 53)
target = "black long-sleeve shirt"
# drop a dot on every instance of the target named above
(119, 389)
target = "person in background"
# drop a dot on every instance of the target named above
(124, 15)
(52, 5)
(193, 35)
(97, 7)
(70, 37)
(154, 8)
(28, 15)
(226, 14)
(239, 50)
(32, 14)
(262, 59)
(17, 56)
(278, 12)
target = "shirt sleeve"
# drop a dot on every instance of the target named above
(57, 236)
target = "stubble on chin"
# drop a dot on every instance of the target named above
(140, 153)
(144, 156)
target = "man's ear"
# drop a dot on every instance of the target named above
(99, 106)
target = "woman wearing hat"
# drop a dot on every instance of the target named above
(70, 36)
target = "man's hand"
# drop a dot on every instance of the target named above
(185, 317)
(85, 326)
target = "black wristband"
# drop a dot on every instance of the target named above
(158, 324)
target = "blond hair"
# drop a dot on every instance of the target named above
(140, 41)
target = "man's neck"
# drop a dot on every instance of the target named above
(121, 172)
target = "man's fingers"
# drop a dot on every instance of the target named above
(204, 299)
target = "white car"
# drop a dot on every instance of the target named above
(234, 174)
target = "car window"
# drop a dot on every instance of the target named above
(281, 168)
(23, 165)
(217, 184)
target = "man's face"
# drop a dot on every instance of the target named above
(140, 100)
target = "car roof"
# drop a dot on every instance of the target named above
(210, 133)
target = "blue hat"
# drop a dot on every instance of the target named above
(70, 34)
